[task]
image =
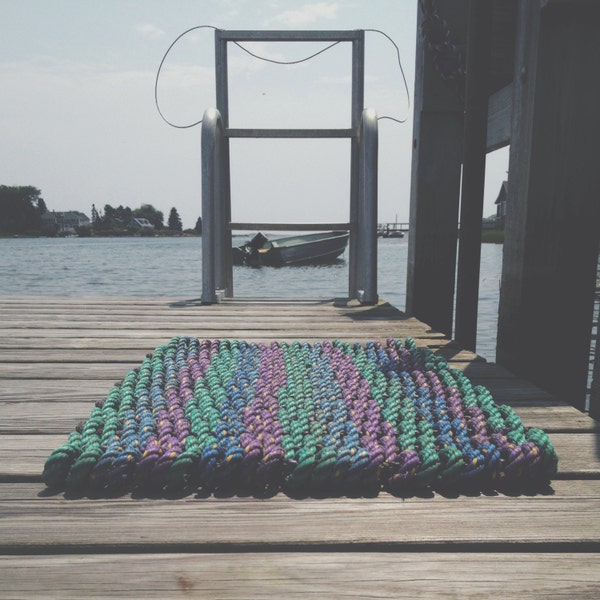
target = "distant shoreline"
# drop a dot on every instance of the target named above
(12, 236)
(487, 237)
(492, 236)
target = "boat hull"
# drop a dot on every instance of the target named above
(316, 248)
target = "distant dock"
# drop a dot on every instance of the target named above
(392, 230)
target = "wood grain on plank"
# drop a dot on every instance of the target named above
(117, 370)
(562, 515)
(304, 575)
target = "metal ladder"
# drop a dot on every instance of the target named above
(217, 270)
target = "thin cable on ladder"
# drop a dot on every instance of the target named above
(286, 62)
(403, 77)
(158, 76)
(278, 62)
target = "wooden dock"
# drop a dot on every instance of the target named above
(60, 355)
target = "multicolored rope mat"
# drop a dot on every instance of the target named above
(329, 416)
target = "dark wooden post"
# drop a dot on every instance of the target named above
(595, 387)
(553, 198)
(473, 174)
(435, 179)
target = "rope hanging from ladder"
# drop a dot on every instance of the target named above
(274, 61)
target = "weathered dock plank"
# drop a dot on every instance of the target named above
(60, 355)
(96, 355)
(304, 575)
(569, 514)
(116, 371)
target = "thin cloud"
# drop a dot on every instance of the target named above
(308, 13)
(150, 31)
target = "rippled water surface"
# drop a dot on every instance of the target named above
(172, 267)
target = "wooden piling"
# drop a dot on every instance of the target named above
(435, 179)
(473, 172)
(553, 212)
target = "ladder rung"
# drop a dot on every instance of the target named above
(290, 226)
(290, 36)
(289, 133)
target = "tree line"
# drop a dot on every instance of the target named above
(120, 220)
(23, 212)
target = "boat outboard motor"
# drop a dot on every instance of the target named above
(257, 241)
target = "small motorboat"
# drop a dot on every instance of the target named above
(312, 248)
(392, 233)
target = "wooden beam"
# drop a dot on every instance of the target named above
(594, 407)
(435, 179)
(473, 174)
(553, 209)
(577, 3)
(499, 117)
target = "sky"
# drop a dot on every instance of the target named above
(78, 118)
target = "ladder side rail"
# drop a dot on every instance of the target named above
(224, 267)
(213, 217)
(367, 208)
(358, 94)
(221, 216)
(222, 210)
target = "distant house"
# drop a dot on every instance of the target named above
(66, 222)
(501, 206)
(140, 223)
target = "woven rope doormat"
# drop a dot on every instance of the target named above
(323, 417)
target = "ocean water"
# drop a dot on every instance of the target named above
(173, 267)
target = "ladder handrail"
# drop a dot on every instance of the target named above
(217, 278)
(214, 234)
(366, 282)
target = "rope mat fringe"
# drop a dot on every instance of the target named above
(329, 416)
